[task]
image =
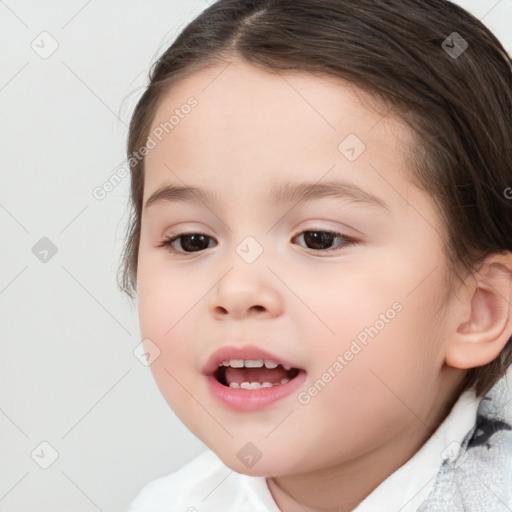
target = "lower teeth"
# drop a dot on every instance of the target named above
(256, 385)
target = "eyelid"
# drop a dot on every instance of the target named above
(342, 229)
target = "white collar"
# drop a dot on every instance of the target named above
(407, 488)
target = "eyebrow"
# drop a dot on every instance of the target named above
(283, 193)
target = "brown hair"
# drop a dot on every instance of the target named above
(459, 107)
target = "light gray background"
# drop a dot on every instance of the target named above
(68, 375)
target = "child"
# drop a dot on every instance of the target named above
(340, 334)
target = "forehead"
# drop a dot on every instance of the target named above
(253, 126)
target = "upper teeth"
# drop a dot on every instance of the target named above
(251, 363)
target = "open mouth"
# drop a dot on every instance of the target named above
(254, 374)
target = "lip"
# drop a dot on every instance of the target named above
(228, 352)
(246, 400)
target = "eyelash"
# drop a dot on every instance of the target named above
(168, 241)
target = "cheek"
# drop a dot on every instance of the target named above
(357, 305)
(381, 325)
(165, 294)
(168, 318)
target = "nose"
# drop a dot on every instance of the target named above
(246, 291)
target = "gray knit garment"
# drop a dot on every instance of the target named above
(479, 477)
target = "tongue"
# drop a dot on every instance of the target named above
(260, 375)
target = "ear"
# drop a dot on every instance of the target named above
(486, 314)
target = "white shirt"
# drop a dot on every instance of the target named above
(206, 484)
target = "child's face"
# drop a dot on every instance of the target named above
(358, 319)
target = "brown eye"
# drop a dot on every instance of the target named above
(190, 242)
(320, 240)
(317, 240)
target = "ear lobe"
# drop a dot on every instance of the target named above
(480, 339)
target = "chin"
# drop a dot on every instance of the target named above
(264, 467)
